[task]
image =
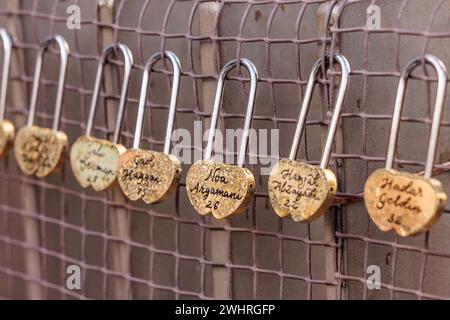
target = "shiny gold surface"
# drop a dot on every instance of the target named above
(95, 162)
(220, 189)
(7, 133)
(301, 190)
(405, 202)
(148, 175)
(40, 151)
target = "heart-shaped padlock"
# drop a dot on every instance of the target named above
(145, 174)
(298, 189)
(94, 161)
(40, 151)
(217, 188)
(7, 130)
(405, 202)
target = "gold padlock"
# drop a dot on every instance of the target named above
(7, 130)
(95, 161)
(405, 202)
(217, 188)
(146, 174)
(298, 189)
(40, 151)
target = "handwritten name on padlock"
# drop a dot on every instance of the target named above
(301, 190)
(148, 175)
(220, 189)
(404, 202)
(40, 151)
(95, 162)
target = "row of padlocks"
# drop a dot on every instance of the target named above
(405, 202)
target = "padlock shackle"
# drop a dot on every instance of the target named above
(64, 56)
(345, 71)
(128, 64)
(7, 51)
(250, 107)
(441, 71)
(172, 57)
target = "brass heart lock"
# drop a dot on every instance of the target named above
(217, 188)
(40, 151)
(405, 202)
(298, 189)
(7, 130)
(95, 161)
(145, 174)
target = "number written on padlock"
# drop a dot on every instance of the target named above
(220, 189)
(301, 190)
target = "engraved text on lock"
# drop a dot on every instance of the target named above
(220, 189)
(301, 190)
(148, 175)
(39, 151)
(95, 162)
(404, 202)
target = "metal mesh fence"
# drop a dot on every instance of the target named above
(130, 250)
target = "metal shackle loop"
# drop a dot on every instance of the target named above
(250, 107)
(128, 63)
(345, 71)
(7, 51)
(64, 56)
(172, 57)
(441, 72)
